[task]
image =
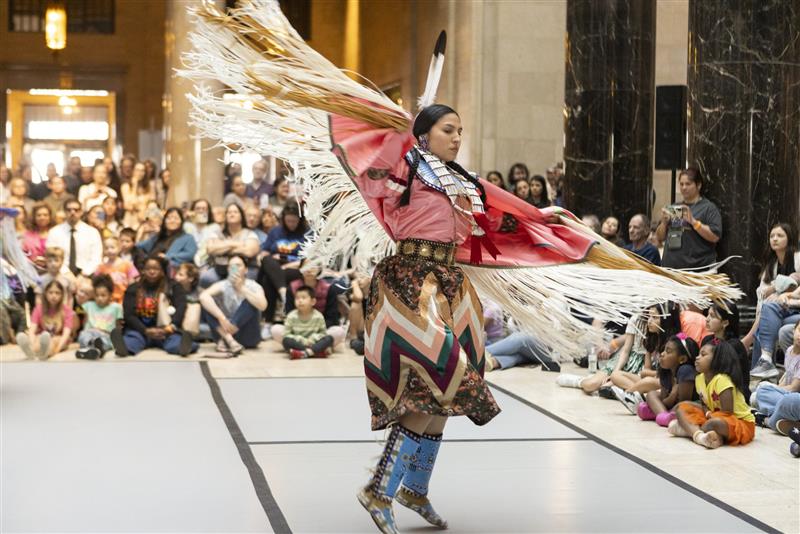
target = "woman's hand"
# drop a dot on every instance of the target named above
(687, 215)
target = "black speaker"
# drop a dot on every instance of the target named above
(670, 127)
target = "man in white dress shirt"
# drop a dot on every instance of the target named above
(93, 194)
(81, 243)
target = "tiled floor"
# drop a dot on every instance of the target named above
(761, 479)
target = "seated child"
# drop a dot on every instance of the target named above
(781, 403)
(51, 324)
(724, 417)
(676, 375)
(54, 259)
(128, 249)
(122, 272)
(102, 316)
(305, 335)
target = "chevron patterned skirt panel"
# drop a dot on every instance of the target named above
(424, 343)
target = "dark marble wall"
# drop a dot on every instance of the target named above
(744, 124)
(609, 101)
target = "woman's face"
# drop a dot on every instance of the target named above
(778, 240)
(166, 177)
(444, 139)
(138, 171)
(42, 218)
(232, 215)
(610, 226)
(689, 190)
(172, 221)
(291, 221)
(494, 179)
(268, 220)
(153, 272)
(283, 190)
(519, 174)
(110, 206)
(536, 188)
(108, 163)
(18, 188)
(522, 189)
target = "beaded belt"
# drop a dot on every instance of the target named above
(434, 251)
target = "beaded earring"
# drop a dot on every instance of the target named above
(423, 142)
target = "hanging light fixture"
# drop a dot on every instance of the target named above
(55, 26)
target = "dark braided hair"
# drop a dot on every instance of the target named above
(422, 125)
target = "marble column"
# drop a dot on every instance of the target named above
(197, 169)
(744, 124)
(608, 106)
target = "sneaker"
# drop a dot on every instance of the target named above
(765, 369)
(24, 343)
(606, 392)
(551, 366)
(569, 381)
(185, 348)
(761, 419)
(296, 354)
(44, 346)
(119, 343)
(100, 346)
(266, 331)
(629, 400)
(90, 353)
(785, 426)
(794, 434)
(323, 353)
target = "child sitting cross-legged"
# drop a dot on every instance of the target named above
(52, 322)
(305, 335)
(724, 417)
(102, 316)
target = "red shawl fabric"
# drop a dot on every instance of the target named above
(533, 243)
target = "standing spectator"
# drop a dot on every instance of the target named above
(136, 196)
(86, 179)
(260, 187)
(52, 322)
(18, 195)
(94, 193)
(58, 195)
(233, 309)
(281, 197)
(231, 169)
(235, 238)
(122, 272)
(34, 241)
(102, 316)
(610, 230)
(126, 165)
(539, 196)
(495, 178)
(282, 262)
(162, 187)
(114, 180)
(238, 193)
(253, 218)
(148, 322)
(523, 190)
(171, 243)
(638, 231)
(517, 172)
(690, 239)
(72, 176)
(82, 259)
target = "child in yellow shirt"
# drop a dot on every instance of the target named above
(724, 417)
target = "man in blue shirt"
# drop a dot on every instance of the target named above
(638, 232)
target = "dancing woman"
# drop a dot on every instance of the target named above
(402, 195)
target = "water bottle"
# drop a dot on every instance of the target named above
(593, 360)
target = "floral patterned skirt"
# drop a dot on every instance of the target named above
(423, 344)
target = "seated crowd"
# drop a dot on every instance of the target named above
(121, 271)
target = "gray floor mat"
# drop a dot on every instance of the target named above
(90, 447)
